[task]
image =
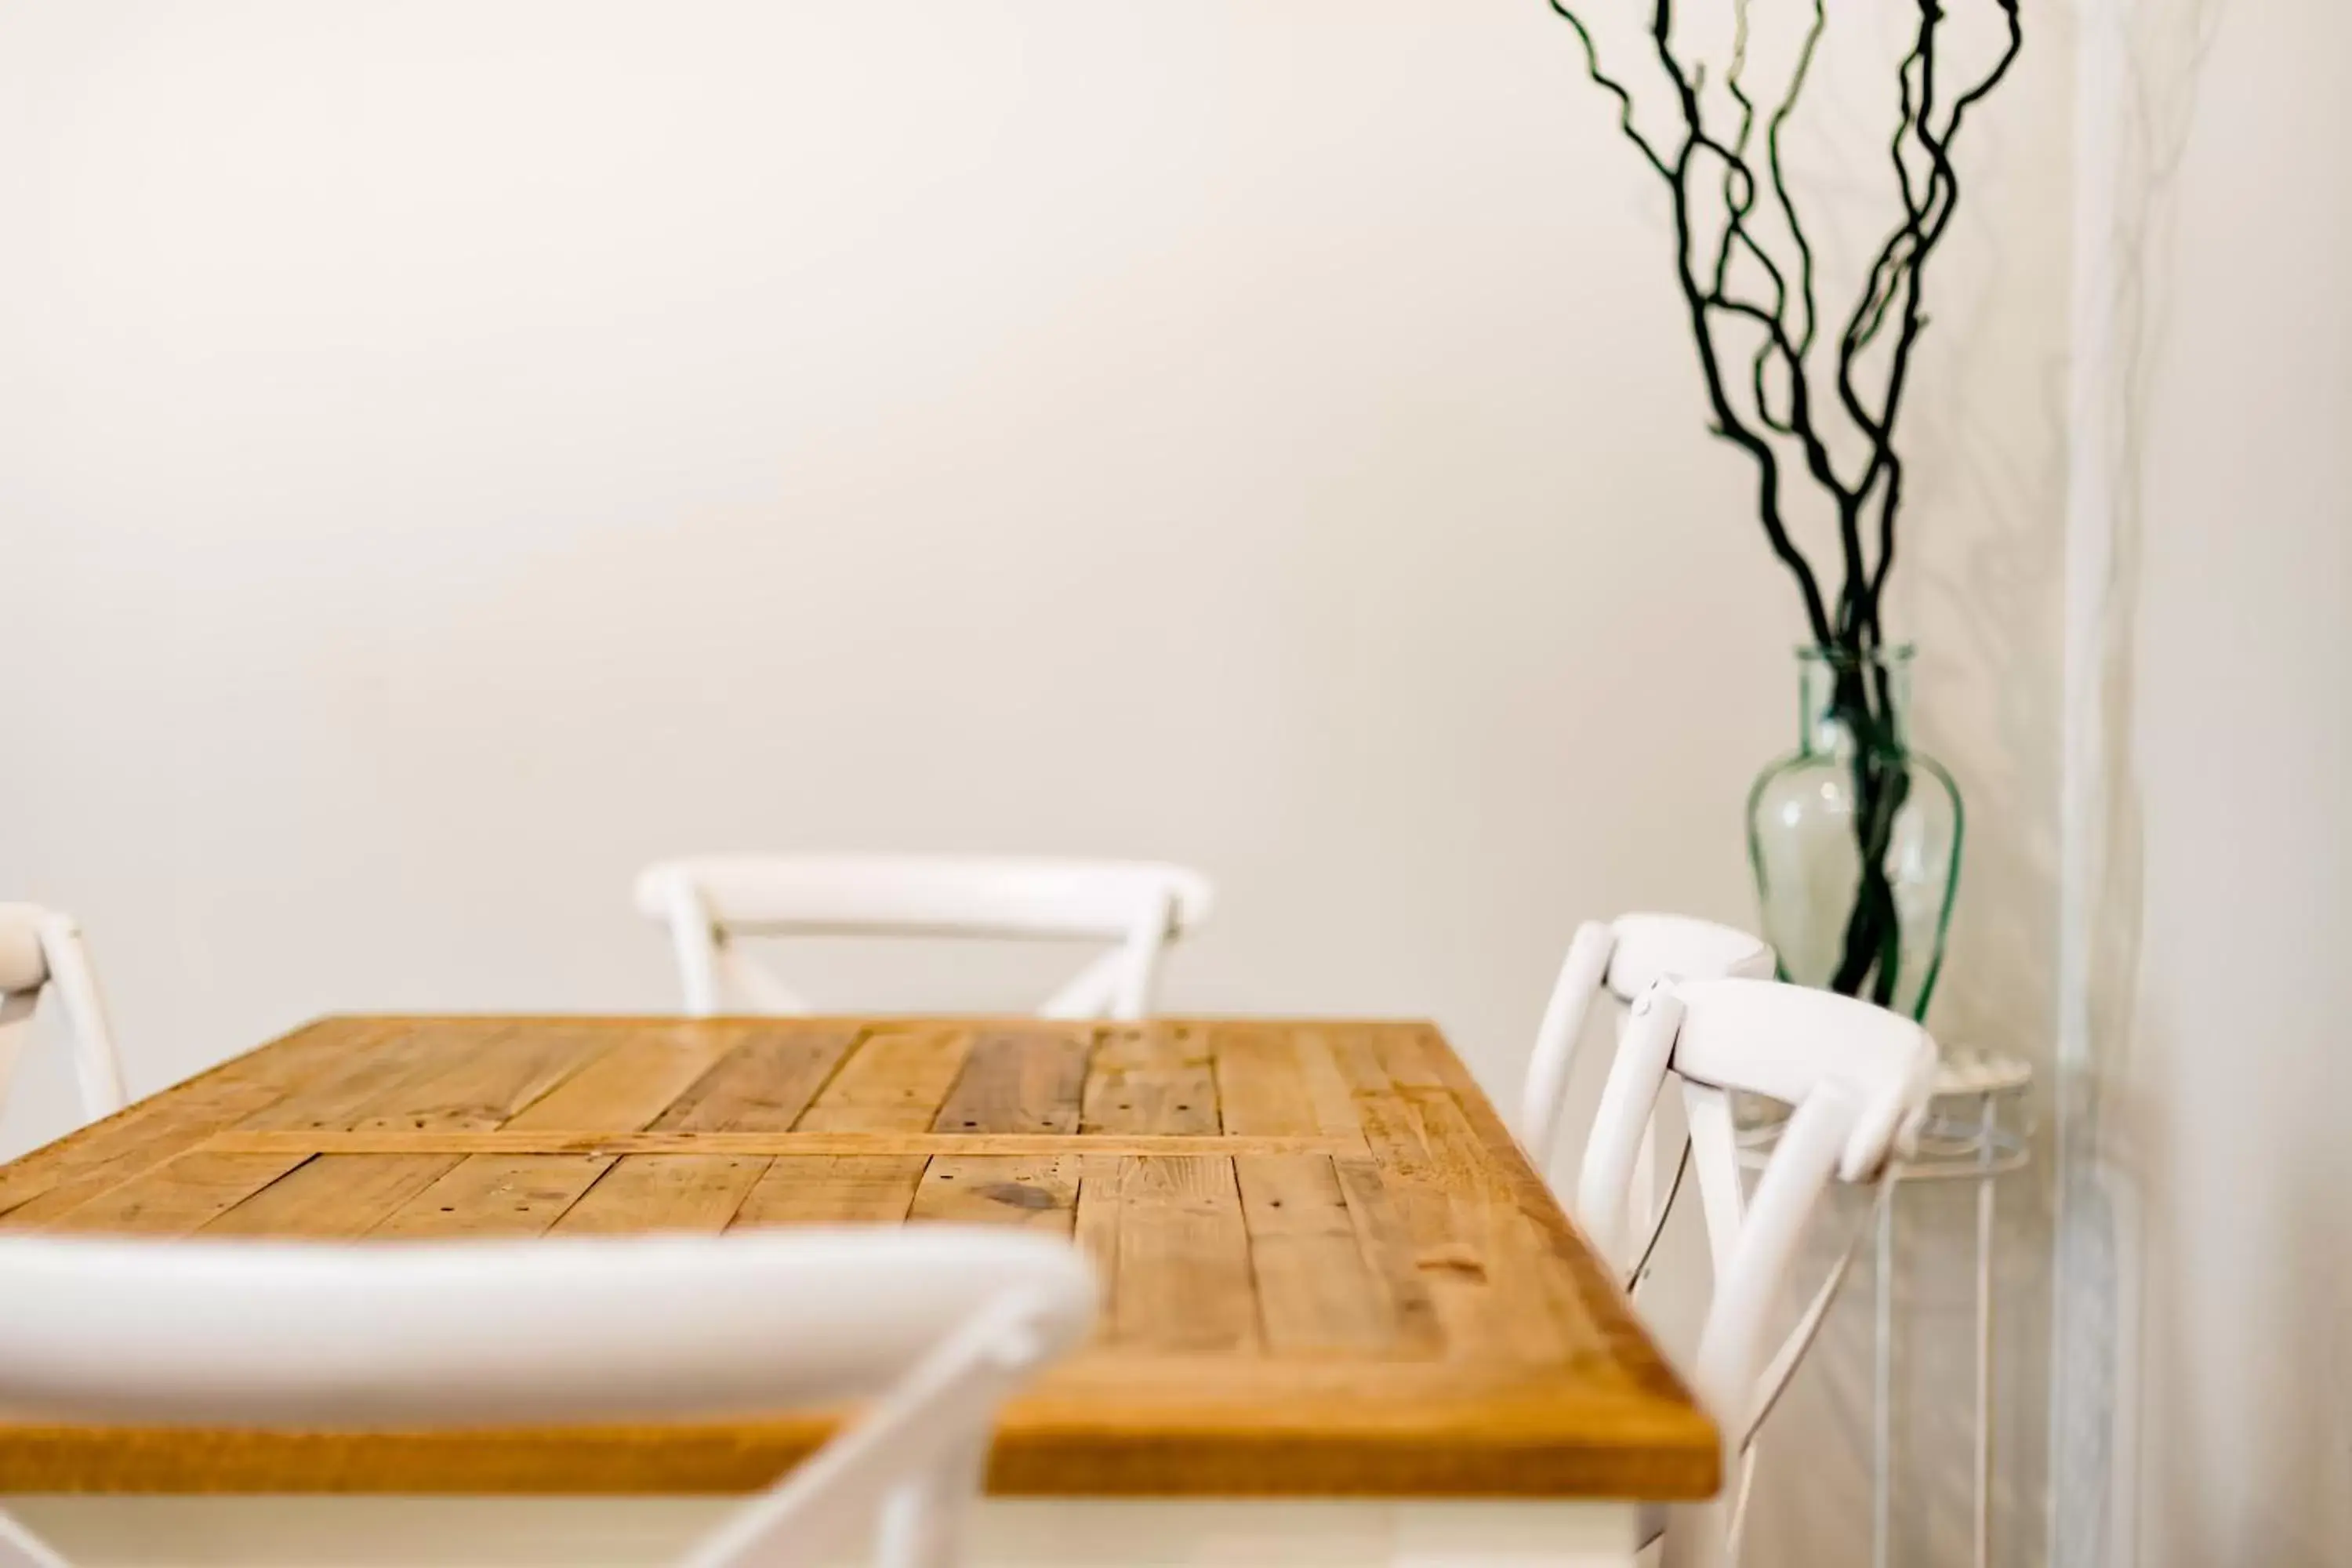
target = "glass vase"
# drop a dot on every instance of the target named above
(1855, 839)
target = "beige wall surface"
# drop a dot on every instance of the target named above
(2204, 1402)
(450, 454)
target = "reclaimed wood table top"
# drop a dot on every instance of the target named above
(1329, 1270)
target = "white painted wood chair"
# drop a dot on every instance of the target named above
(934, 1326)
(1859, 1080)
(1618, 959)
(708, 904)
(42, 951)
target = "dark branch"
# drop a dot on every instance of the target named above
(1727, 424)
(1780, 377)
(1615, 90)
(1943, 197)
(1780, 177)
(1890, 301)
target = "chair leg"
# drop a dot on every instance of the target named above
(1697, 1535)
(20, 1548)
(924, 1521)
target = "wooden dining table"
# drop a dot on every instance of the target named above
(1344, 1319)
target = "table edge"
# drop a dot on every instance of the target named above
(1171, 1458)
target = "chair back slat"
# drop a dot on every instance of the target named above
(927, 1330)
(1618, 959)
(42, 953)
(709, 905)
(1858, 1080)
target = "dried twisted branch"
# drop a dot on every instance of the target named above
(1783, 319)
(1784, 325)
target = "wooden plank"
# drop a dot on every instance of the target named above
(628, 1085)
(1317, 1292)
(843, 1189)
(764, 1083)
(1541, 1315)
(893, 1082)
(173, 1199)
(56, 1181)
(1183, 1269)
(496, 1195)
(507, 1141)
(1327, 1087)
(1448, 1237)
(698, 1192)
(1020, 1080)
(1503, 1306)
(58, 1176)
(1260, 1089)
(1353, 1051)
(479, 1089)
(1239, 1356)
(1095, 1226)
(1403, 1062)
(1150, 1077)
(333, 1197)
(1388, 1250)
(1021, 1191)
(1582, 1289)
(372, 1059)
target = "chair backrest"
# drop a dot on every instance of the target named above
(707, 904)
(935, 1326)
(1859, 1078)
(1620, 959)
(42, 951)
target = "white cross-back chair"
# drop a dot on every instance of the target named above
(1138, 906)
(41, 951)
(934, 1326)
(1618, 959)
(1858, 1078)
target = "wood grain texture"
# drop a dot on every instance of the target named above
(1326, 1268)
(893, 1082)
(482, 1087)
(1317, 1290)
(665, 1193)
(507, 1141)
(333, 1197)
(1261, 1088)
(173, 1199)
(1388, 1250)
(379, 1055)
(58, 1177)
(495, 1194)
(1028, 1079)
(833, 1189)
(1150, 1080)
(765, 1082)
(1024, 1191)
(1183, 1269)
(629, 1085)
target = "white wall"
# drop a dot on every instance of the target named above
(454, 453)
(2210, 1241)
(451, 453)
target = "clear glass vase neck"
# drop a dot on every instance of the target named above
(1852, 697)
